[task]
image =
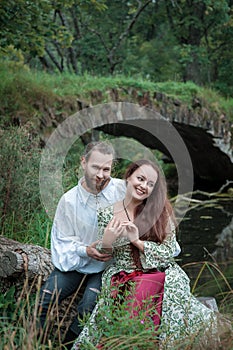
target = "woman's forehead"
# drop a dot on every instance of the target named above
(147, 171)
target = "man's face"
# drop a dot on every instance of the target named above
(97, 170)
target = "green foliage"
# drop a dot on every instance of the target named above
(6, 306)
(19, 192)
(156, 60)
(72, 170)
(24, 26)
(181, 41)
(21, 94)
(14, 57)
(117, 328)
(196, 25)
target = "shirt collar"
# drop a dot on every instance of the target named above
(85, 195)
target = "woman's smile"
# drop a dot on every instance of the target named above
(140, 191)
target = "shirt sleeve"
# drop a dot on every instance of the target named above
(68, 250)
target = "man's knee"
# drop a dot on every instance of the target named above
(95, 290)
(89, 299)
(48, 297)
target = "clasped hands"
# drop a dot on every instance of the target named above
(116, 229)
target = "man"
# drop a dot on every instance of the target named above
(74, 234)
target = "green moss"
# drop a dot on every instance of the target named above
(22, 90)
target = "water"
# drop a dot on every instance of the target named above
(200, 227)
(198, 236)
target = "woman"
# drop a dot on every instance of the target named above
(140, 233)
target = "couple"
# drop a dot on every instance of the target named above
(139, 232)
(136, 226)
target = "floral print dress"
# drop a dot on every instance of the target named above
(183, 316)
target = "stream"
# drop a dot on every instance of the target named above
(206, 234)
(200, 228)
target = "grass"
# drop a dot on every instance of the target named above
(19, 320)
(33, 229)
(22, 90)
(19, 325)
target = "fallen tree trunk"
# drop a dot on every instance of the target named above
(18, 259)
(24, 267)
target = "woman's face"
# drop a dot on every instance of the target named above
(141, 183)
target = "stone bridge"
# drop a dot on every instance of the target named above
(146, 118)
(206, 134)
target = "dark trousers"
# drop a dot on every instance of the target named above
(61, 285)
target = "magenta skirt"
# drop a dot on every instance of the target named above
(147, 292)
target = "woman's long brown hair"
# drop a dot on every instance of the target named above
(152, 215)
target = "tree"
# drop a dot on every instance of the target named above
(25, 26)
(162, 40)
(90, 35)
(118, 29)
(194, 24)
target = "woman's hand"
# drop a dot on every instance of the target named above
(131, 230)
(113, 230)
(133, 234)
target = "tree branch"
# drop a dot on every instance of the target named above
(75, 22)
(54, 60)
(130, 26)
(111, 51)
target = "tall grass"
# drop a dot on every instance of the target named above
(19, 324)
(34, 228)
(213, 280)
(19, 321)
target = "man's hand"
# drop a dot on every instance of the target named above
(92, 252)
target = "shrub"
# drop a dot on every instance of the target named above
(19, 186)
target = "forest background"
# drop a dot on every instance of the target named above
(155, 40)
(55, 52)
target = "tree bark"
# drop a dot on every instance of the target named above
(54, 60)
(19, 261)
(25, 267)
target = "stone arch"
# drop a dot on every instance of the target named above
(126, 116)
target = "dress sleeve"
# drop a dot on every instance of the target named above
(160, 255)
(104, 216)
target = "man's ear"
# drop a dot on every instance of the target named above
(83, 162)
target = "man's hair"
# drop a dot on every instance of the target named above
(100, 146)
